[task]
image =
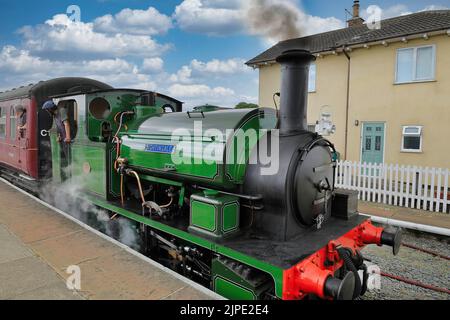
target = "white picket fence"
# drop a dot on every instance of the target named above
(406, 186)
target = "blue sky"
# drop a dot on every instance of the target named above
(193, 50)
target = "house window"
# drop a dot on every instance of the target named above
(412, 139)
(12, 124)
(312, 78)
(2, 122)
(416, 64)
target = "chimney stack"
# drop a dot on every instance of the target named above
(294, 90)
(356, 20)
(356, 9)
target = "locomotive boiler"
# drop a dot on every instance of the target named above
(193, 183)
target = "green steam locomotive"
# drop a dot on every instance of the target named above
(241, 201)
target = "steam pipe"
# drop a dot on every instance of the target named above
(294, 90)
(131, 172)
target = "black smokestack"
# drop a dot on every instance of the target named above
(294, 90)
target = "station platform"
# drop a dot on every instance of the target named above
(428, 218)
(37, 245)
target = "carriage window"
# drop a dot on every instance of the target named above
(2, 122)
(12, 124)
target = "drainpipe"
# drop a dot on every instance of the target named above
(347, 106)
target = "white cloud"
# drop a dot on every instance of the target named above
(137, 22)
(18, 67)
(208, 17)
(183, 75)
(64, 38)
(199, 70)
(399, 10)
(213, 82)
(215, 66)
(273, 20)
(222, 4)
(435, 7)
(198, 90)
(126, 59)
(15, 61)
(199, 94)
(152, 65)
(386, 13)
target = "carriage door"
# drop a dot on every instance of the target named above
(15, 148)
(22, 140)
(372, 144)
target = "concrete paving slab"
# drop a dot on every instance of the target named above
(40, 227)
(186, 293)
(121, 276)
(53, 242)
(73, 249)
(54, 291)
(23, 275)
(11, 248)
(8, 201)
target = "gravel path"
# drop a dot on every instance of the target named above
(414, 265)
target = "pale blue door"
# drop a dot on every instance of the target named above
(373, 142)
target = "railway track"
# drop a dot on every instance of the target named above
(420, 271)
(415, 282)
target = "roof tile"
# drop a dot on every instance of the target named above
(416, 23)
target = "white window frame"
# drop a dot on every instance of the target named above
(407, 134)
(415, 80)
(315, 78)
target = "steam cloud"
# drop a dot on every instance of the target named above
(67, 197)
(275, 20)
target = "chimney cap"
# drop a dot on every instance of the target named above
(356, 9)
(295, 54)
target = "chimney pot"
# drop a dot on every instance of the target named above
(356, 9)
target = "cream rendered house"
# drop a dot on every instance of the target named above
(386, 90)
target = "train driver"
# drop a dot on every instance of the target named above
(60, 114)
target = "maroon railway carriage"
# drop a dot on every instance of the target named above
(28, 152)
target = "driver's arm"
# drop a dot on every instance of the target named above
(68, 133)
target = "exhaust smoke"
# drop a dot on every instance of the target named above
(68, 197)
(275, 20)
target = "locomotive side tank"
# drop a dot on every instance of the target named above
(178, 145)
